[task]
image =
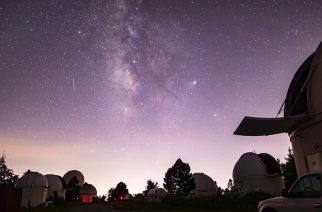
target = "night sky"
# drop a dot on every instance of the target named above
(120, 89)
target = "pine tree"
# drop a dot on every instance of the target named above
(178, 179)
(121, 189)
(72, 190)
(289, 169)
(150, 185)
(111, 194)
(118, 191)
(7, 177)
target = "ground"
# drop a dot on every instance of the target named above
(107, 208)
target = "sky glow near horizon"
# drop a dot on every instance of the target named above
(120, 89)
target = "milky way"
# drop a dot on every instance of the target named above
(127, 87)
(146, 69)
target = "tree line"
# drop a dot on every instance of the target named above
(178, 179)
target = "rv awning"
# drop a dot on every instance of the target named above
(254, 126)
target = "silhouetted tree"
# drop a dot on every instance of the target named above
(72, 190)
(230, 185)
(111, 194)
(289, 169)
(118, 191)
(220, 191)
(7, 177)
(178, 179)
(103, 198)
(149, 185)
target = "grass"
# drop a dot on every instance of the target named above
(247, 203)
(52, 208)
(176, 203)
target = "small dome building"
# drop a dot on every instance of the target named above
(34, 189)
(204, 186)
(156, 194)
(87, 192)
(56, 186)
(72, 175)
(258, 172)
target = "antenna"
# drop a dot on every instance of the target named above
(281, 109)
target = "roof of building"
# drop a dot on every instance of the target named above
(157, 191)
(32, 179)
(204, 182)
(296, 98)
(88, 189)
(255, 165)
(74, 173)
(55, 182)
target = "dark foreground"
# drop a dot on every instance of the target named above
(108, 208)
(105, 208)
(93, 208)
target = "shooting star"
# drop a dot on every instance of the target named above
(73, 81)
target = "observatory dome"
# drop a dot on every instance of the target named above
(88, 189)
(34, 179)
(87, 193)
(296, 98)
(56, 186)
(204, 186)
(252, 164)
(156, 194)
(204, 182)
(74, 173)
(257, 172)
(302, 116)
(34, 188)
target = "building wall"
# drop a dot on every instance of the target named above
(86, 199)
(60, 194)
(156, 196)
(307, 147)
(272, 185)
(34, 195)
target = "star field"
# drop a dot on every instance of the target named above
(90, 85)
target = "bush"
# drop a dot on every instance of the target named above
(174, 201)
(255, 197)
(234, 203)
(59, 201)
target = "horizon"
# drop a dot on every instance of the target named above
(119, 90)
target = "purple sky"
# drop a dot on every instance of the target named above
(120, 89)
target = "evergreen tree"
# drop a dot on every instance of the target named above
(102, 198)
(121, 189)
(230, 184)
(118, 191)
(289, 169)
(72, 190)
(150, 185)
(7, 177)
(178, 179)
(111, 194)
(220, 191)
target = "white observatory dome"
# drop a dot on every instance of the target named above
(88, 189)
(34, 189)
(249, 164)
(302, 116)
(204, 186)
(156, 194)
(257, 172)
(204, 182)
(74, 173)
(56, 186)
